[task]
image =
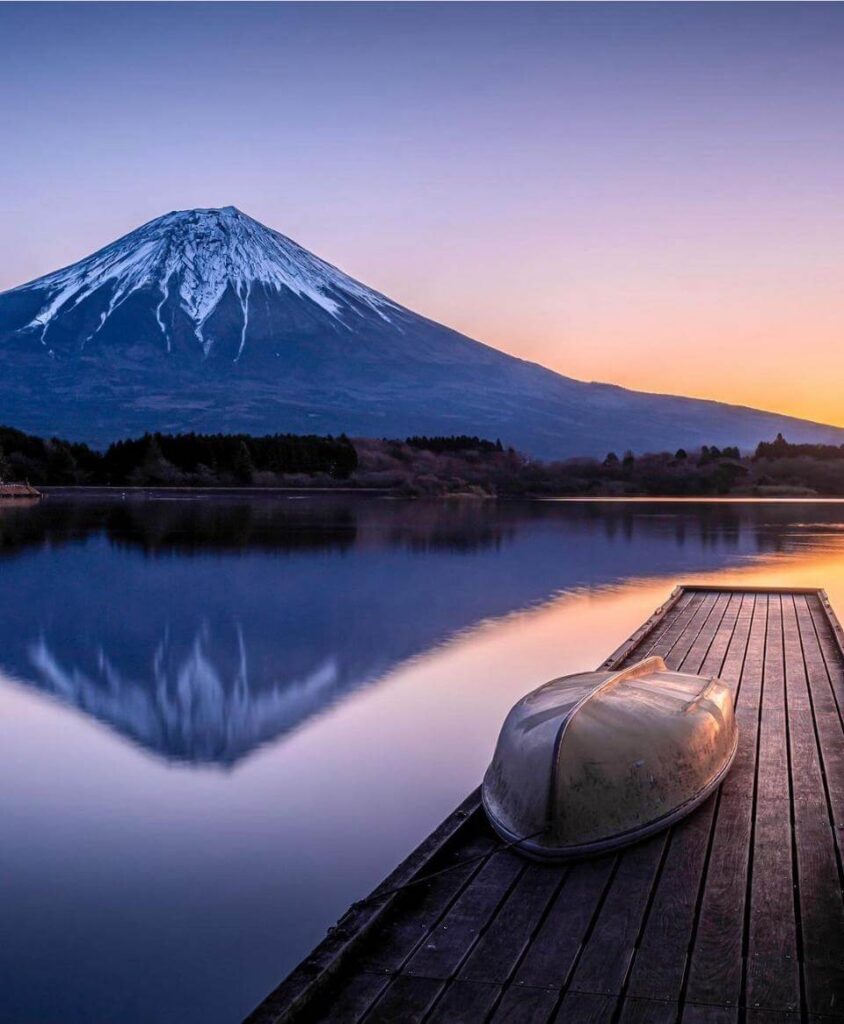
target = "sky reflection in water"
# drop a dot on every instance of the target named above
(221, 720)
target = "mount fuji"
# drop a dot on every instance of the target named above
(207, 320)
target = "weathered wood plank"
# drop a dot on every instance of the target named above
(585, 1008)
(348, 1002)
(521, 1004)
(653, 628)
(725, 640)
(716, 958)
(676, 654)
(671, 626)
(686, 621)
(699, 650)
(824, 980)
(821, 906)
(445, 948)
(500, 948)
(703, 1013)
(773, 978)
(733, 667)
(418, 910)
(778, 1017)
(832, 652)
(659, 965)
(660, 960)
(647, 1011)
(825, 663)
(405, 1001)
(464, 1002)
(607, 953)
(555, 948)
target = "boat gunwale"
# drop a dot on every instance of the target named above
(325, 962)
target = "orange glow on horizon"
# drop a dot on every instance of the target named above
(777, 358)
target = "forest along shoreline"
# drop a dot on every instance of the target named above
(459, 466)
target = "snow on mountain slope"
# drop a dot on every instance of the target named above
(207, 320)
(200, 254)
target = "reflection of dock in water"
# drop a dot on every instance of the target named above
(734, 913)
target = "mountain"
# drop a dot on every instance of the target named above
(207, 320)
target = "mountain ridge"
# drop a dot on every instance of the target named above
(207, 320)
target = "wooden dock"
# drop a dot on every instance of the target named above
(733, 916)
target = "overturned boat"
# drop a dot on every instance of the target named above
(594, 761)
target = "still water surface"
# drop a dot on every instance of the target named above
(224, 719)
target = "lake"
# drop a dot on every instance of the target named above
(224, 718)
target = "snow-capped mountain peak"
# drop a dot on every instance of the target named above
(206, 320)
(197, 256)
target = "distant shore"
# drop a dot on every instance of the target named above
(183, 489)
(70, 490)
(458, 467)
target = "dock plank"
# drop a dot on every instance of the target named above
(718, 625)
(349, 1001)
(407, 925)
(821, 918)
(585, 1008)
(676, 654)
(825, 666)
(445, 948)
(464, 1002)
(704, 1013)
(659, 966)
(661, 635)
(406, 1000)
(773, 978)
(648, 1011)
(660, 960)
(609, 949)
(501, 947)
(830, 645)
(716, 958)
(557, 945)
(523, 1005)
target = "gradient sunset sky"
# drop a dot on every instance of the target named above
(647, 194)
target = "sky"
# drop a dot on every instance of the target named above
(646, 194)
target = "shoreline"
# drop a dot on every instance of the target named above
(386, 492)
(116, 488)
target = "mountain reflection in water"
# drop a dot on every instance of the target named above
(203, 628)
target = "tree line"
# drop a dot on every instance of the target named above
(454, 443)
(192, 459)
(781, 449)
(419, 466)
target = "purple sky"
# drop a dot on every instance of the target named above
(647, 194)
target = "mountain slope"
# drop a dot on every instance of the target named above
(207, 320)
